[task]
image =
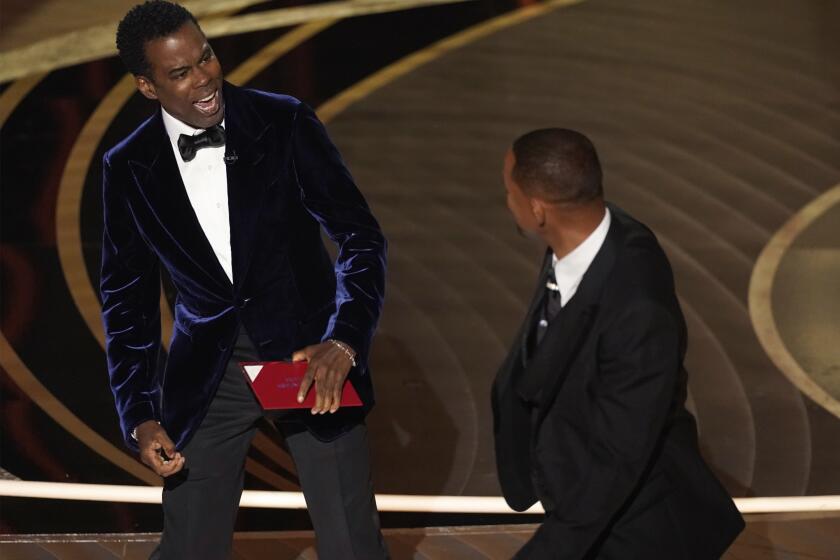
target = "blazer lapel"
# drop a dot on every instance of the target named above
(160, 184)
(511, 417)
(564, 338)
(248, 142)
(517, 357)
(536, 302)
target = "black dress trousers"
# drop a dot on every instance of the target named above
(201, 501)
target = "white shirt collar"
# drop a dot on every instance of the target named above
(570, 269)
(175, 127)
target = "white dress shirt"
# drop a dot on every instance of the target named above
(570, 269)
(205, 179)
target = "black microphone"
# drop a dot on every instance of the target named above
(231, 158)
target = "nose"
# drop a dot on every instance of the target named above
(202, 77)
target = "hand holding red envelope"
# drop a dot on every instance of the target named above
(276, 385)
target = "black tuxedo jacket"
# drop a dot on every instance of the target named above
(610, 450)
(288, 181)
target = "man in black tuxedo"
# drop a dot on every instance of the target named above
(229, 190)
(589, 406)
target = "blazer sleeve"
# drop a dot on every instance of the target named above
(330, 195)
(638, 369)
(130, 292)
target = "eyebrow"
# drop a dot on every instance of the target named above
(204, 52)
(174, 71)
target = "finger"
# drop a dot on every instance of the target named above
(302, 354)
(180, 465)
(166, 457)
(148, 454)
(166, 460)
(165, 469)
(167, 445)
(335, 392)
(320, 388)
(326, 402)
(305, 384)
(168, 468)
(148, 459)
(337, 395)
(160, 468)
(319, 398)
(329, 388)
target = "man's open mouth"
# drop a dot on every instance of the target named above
(209, 105)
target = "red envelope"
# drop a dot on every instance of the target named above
(276, 385)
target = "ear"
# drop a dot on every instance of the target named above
(538, 211)
(146, 87)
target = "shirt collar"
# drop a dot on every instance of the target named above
(175, 127)
(570, 269)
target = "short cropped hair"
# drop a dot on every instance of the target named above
(557, 165)
(151, 20)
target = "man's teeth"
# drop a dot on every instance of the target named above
(207, 99)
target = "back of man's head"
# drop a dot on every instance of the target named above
(144, 22)
(557, 165)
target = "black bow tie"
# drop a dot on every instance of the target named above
(213, 137)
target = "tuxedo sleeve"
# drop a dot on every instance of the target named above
(330, 195)
(130, 291)
(600, 467)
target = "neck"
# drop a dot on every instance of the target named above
(566, 227)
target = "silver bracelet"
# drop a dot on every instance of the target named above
(344, 348)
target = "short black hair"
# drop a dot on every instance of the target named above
(557, 165)
(151, 20)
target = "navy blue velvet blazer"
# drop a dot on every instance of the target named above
(288, 182)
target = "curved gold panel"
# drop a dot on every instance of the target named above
(340, 102)
(15, 94)
(42, 396)
(68, 206)
(98, 42)
(760, 298)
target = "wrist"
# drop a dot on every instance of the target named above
(344, 347)
(133, 433)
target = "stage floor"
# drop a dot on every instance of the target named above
(780, 537)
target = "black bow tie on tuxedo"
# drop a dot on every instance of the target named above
(213, 137)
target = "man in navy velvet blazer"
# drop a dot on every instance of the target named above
(228, 189)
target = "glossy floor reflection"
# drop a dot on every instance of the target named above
(785, 538)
